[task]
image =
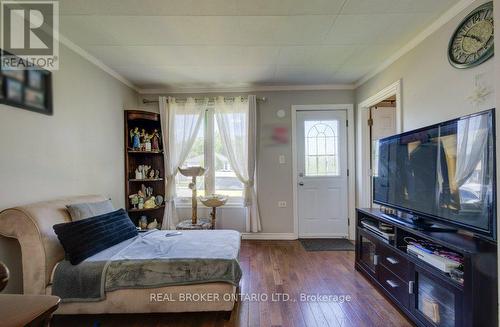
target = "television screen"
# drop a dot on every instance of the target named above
(444, 172)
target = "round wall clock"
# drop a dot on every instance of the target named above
(473, 40)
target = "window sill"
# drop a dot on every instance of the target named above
(231, 204)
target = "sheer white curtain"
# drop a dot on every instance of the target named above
(237, 122)
(180, 121)
(472, 136)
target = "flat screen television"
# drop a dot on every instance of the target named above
(443, 173)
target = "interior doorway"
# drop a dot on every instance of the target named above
(378, 116)
(382, 123)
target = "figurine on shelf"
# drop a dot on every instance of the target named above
(141, 203)
(134, 200)
(155, 140)
(135, 138)
(153, 224)
(150, 203)
(157, 174)
(142, 171)
(145, 170)
(159, 200)
(151, 174)
(146, 140)
(145, 192)
(142, 192)
(138, 173)
(143, 222)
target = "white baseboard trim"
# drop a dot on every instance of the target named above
(268, 236)
(326, 235)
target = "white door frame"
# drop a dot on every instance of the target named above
(363, 175)
(349, 108)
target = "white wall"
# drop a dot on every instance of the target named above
(78, 150)
(432, 90)
(274, 179)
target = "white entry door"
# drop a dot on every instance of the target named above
(322, 173)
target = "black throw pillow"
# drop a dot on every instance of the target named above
(84, 238)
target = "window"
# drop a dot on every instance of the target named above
(321, 150)
(196, 157)
(226, 181)
(208, 151)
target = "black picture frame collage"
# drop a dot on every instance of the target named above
(29, 89)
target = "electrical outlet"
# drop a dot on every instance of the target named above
(282, 159)
(281, 204)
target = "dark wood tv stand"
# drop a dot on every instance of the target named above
(425, 294)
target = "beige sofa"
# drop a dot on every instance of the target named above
(32, 225)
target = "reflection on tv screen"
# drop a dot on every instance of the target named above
(445, 171)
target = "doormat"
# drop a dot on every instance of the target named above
(327, 244)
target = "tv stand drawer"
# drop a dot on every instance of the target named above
(394, 285)
(394, 262)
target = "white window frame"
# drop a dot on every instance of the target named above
(209, 158)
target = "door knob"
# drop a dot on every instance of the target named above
(301, 183)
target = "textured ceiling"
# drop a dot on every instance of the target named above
(237, 43)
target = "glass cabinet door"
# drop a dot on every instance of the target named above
(435, 301)
(368, 252)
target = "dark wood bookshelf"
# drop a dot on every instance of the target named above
(144, 152)
(146, 180)
(133, 158)
(149, 209)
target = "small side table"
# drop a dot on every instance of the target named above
(27, 310)
(214, 201)
(187, 225)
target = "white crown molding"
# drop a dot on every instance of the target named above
(436, 25)
(268, 236)
(86, 55)
(253, 88)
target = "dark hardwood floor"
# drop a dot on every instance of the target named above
(281, 267)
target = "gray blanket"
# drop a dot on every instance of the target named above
(152, 260)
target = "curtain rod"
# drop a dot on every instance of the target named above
(146, 101)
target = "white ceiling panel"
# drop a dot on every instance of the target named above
(395, 6)
(214, 43)
(358, 29)
(369, 57)
(289, 7)
(403, 27)
(422, 6)
(284, 30)
(360, 7)
(196, 30)
(149, 7)
(309, 74)
(151, 30)
(315, 55)
(346, 76)
(200, 8)
(186, 55)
